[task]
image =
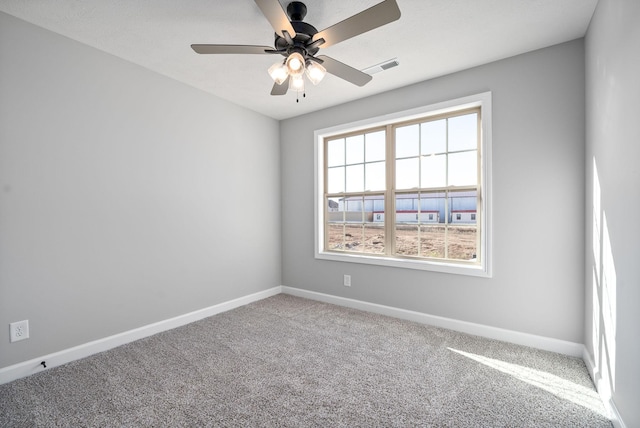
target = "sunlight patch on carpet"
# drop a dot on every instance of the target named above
(562, 388)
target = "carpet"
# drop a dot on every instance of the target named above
(291, 362)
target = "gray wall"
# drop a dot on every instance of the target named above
(612, 274)
(114, 183)
(538, 162)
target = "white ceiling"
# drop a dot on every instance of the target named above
(432, 38)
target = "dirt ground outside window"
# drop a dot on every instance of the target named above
(411, 240)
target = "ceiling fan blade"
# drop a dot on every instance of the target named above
(280, 89)
(231, 49)
(276, 17)
(374, 17)
(344, 71)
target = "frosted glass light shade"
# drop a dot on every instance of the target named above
(296, 83)
(315, 72)
(278, 73)
(295, 64)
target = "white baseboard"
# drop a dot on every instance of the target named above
(526, 339)
(26, 368)
(603, 391)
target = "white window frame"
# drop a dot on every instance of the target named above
(484, 268)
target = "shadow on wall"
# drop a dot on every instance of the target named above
(604, 298)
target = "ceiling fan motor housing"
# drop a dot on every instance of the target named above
(304, 32)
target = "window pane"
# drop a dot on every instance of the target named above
(373, 224)
(335, 180)
(432, 207)
(464, 204)
(462, 242)
(434, 137)
(335, 210)
(373, 238)
(463, 168)
(374, 148)
(407, 216)
(355, 149)
(434, 171)
(463, 132)
(406, 202)
(374, 176)
(432, 239)
(407, 141)
(335, 152)
(353, 237)
(353, 207)
(407, 173)
(407, 239)
(374, 203)
(335, 237)
(355, 178)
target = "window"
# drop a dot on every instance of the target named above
(408, 191)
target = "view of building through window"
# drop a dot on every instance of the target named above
(406, 190)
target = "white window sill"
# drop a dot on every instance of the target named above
(425, 265)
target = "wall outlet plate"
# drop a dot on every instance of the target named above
(19, 331)
(347, 280)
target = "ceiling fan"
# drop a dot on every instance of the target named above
(299, 42)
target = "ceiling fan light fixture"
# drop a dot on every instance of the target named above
(295, 64)
(298, 42)
(278, 72)
(315, 72)
(296, 83)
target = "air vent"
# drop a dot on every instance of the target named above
(382, 66)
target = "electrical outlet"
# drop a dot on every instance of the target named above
(347, 280)
(19, 330)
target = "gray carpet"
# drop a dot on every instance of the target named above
(291, 362)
